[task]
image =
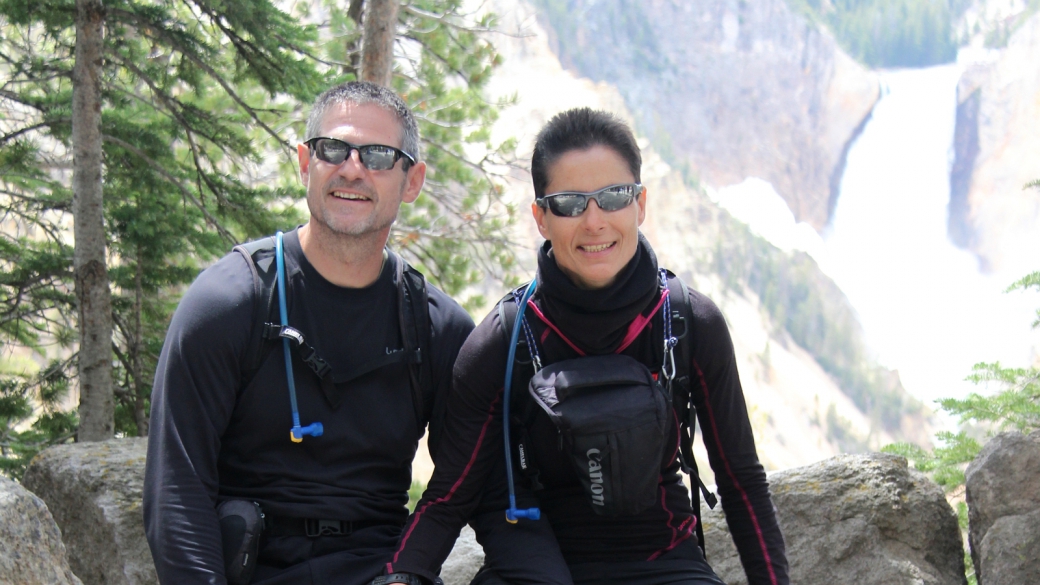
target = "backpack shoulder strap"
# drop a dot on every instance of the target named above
(683, 388)
(260, 257)
(523, 411)
(413, 313)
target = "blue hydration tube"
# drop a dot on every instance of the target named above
(512, 514)
(313, 429)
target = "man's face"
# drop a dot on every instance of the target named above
(349, 199)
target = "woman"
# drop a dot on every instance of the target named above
(599, 293)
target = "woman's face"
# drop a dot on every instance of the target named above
(592, 248)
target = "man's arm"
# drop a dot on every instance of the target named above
(730, 443)
(196, 384)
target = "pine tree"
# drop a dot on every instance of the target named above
(193, 99)
(200, 102)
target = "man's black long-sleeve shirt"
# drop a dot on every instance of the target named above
(217, 436)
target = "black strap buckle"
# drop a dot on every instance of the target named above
(310, 357)
(315, 527)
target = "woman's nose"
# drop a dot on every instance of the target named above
(594, 217)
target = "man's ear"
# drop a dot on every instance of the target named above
(539, 218)
(414, 182)
(303, 153)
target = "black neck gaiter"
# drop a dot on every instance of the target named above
(597, 320)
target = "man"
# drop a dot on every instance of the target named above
(222, 430)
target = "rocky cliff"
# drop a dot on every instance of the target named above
(726, 88)
(997, 141)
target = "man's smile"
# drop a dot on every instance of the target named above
(349, 196)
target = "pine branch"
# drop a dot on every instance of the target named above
(162, 171)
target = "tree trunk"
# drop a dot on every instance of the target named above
(96, 408)
(377, 48)
(354, 11)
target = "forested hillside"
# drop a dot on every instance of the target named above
(891, 33)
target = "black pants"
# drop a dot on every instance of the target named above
(354, 559)
(684, 565)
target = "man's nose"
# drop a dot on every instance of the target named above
(351, 166)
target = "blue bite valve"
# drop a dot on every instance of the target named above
(514, 514)
(313, 429)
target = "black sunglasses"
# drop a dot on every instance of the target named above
(374, 157)
(573, 204)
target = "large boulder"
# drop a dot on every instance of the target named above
(1003, 494)
(94, 492)
(856, 519)
(464, 561)
(31, 551)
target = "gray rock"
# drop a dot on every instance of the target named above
(94, 491)
(1011, 550)
(31, 551)
(1003, 493)
(856, 519)
(464, 561)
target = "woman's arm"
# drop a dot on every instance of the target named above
(730, 443)
(470, 451)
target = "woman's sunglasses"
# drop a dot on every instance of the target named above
(573, 204)
(374, 157)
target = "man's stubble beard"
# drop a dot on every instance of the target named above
(369, 226)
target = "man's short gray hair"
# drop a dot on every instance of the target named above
(363, 92)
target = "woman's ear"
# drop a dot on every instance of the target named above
(641, 202)
(540, 219)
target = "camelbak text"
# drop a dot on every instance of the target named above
(595, 477)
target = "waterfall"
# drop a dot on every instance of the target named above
(926, 309)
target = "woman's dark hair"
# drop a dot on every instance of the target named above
(581, 129)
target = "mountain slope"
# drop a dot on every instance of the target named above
(726, 89)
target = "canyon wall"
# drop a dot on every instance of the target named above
(726, 89)
(997, 151)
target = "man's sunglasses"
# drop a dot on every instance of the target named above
(374, 157)
(573, 204)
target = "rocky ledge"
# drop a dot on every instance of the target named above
(853, 519)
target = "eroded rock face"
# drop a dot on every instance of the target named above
(1003, 494)
(854, 519)
(734, 89)
(996, 146)
(94, 492)
(31, 551)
